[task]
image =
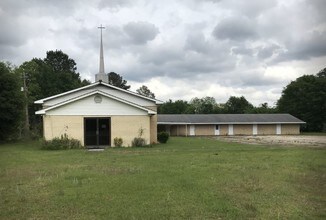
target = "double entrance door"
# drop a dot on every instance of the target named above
(97, 131)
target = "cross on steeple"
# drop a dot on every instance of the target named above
(101, 73)
(101, 70)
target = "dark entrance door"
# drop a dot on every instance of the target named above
(97, 131)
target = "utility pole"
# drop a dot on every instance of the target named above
(26, 126)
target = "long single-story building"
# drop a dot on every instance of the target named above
(228, 124)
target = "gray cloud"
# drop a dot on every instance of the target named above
(242, 50)
(252, 8)
(235, 28)
(141, 32)
(243, 46)
(114, 4)
(319, 7)
(268, 51)
(256, 78)
(197, 42)
(312, 45)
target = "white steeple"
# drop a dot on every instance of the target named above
(101, 74)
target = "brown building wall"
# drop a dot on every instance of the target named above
(224, 130)
(262, 129)
(290, 129)
(182, 130)
(266, 129)
(242, 129)
(179, 130)
(173, 130)
(153, 129)
(202, 130)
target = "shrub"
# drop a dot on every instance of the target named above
(118, 142)
(163, 137)
(138, 142)
(62, 143)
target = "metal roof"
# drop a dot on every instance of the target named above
(227, 119)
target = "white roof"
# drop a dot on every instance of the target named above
(43, 111)
(41, 101)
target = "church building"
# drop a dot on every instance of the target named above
(97, 113)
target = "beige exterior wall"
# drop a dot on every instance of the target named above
(153, 129)
(173, 130)
(262, 129)
(290, 129)
(202, 130)
(153, 125)
(224, 129)
(179, 130)
(266, 129)
(127, 127)
(242, 129)
(55, 126)
(182, 130)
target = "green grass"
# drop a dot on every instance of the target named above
(188, 178)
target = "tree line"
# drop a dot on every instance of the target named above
(208, 105)
(304, 98)
(56, 73)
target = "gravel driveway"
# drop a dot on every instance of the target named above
(291, 140)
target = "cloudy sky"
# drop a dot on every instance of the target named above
(179, 49)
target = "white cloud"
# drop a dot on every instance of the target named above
(179, 49)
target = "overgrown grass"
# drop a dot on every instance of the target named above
(187, 178)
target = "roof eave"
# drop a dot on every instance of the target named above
(43, 111)
(41, 101)
(225, 123)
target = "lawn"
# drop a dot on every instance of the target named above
(188, 178)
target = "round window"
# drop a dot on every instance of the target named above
(97, 99)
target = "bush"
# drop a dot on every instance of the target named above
(118, 142)
(62, 143)
(138, 142)
(163, 137)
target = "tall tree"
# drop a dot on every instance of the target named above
(117, 80)
(62, 74)
(205, 105)
(305, 98)
(237, 105)
(46, 77)
(262, 109)
(144, 90)
(170, 107)
(11, 99)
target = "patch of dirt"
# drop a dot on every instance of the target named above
(289, 140)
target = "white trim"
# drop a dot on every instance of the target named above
(43, 111)
(278, 129)
(254, 129)
(230, 130)
(226, 123)
(41, 101)
(192, 130)
(217, 131)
